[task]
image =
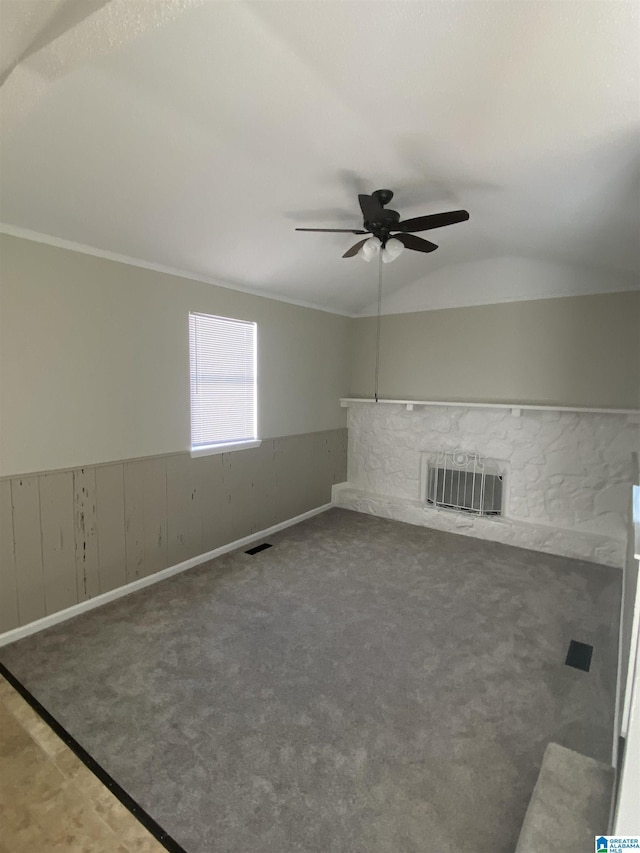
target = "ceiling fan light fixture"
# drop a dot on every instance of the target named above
(393, 248)
(370, 249)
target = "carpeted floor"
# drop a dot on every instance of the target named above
(364, 686)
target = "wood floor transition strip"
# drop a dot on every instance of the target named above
(91, 764)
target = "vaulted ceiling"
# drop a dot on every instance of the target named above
(197, 135)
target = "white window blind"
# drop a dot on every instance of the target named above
(222, 355)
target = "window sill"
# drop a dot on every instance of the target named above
(212, 449)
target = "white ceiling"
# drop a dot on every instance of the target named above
(196, 135)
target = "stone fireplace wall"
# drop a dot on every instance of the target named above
(568, 474)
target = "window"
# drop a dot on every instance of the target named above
(222, 355)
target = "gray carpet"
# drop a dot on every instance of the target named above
(364, 686)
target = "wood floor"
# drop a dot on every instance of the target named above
(49, 800)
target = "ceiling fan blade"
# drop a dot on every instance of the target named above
(355, 249)
(435, 220)
(335, 230)
(371, 208)
(417, 243)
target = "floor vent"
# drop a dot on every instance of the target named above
(579, 655)
(258, 548)
(464, 482)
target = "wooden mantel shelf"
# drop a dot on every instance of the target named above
(516, 408)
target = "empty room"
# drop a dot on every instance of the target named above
(319, 426)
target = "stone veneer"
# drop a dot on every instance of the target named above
(568, 474)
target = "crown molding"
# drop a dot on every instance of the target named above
(84, 249)
(477, 303)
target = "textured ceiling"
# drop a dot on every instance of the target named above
(198, 135)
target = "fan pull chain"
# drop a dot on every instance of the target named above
(378, 323)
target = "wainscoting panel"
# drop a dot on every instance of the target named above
(112, 553)
(58, 541)
(184, 507)
(86, 526)
(67, 536)
(27, 548)
(8, 589)
(216, 504)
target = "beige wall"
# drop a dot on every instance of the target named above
(94, 359)
(580, 351)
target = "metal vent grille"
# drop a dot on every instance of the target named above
(464, 482)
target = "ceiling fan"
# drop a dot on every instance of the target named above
(390, 235)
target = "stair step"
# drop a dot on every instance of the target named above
(569, 805)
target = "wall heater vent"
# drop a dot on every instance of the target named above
(463, 482)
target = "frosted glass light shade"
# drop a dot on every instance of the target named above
(370, 249)
(392, 249)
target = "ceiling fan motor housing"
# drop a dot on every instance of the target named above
(385, 223)
(383, 196)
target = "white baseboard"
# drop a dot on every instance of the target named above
(76, 609)
(335, 491)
